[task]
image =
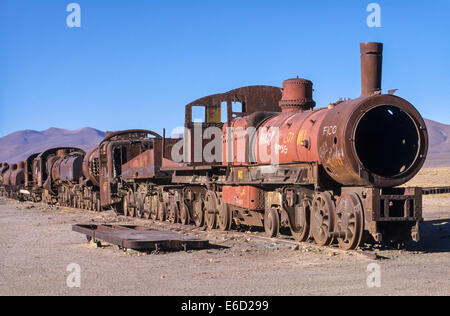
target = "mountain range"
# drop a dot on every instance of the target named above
(19, 145)
(439, 141)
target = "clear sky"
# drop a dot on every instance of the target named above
(136, 63)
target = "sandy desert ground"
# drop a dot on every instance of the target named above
(431, 177)
(37, 245)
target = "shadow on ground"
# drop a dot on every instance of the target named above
(435, 237)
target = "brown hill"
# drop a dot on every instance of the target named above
(439, 151)
(19, 145)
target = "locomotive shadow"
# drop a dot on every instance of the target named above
(435, 237)
(187, 250)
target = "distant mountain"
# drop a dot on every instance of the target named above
(19, 145)
(439, 151)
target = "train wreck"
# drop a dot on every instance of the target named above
(275, 160)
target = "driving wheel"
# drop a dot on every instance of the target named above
(322, 218)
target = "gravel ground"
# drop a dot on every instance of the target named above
(37, 245)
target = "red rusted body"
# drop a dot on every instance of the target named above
(377, 139)
(68, 168)
(115, 151)
(4, 167)
(346, 139)
(8, 173)
(247, 197)
(297, 95)
(371, 68)
(29, 180)
(142, 166)
(50, 167)
(17, 177)
(249, 99)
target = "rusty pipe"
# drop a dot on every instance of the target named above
(371, 68)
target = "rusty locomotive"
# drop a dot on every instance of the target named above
(328, 174)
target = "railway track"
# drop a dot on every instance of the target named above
(436, 190)
(283, 239)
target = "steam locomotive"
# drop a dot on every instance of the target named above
(274, 161)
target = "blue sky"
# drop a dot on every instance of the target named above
(135, 64)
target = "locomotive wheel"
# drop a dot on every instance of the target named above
(184, 214)
(272, 222)
(99, 205)
(125, 206)
(139, 205)
(199, 217)
(301, 232)
(173, 212)
(349, 220)
(131, 204)
(147, 207)
(162, 211)
(322, 218)
(211, 210)
(225, 217)
(154, 208)
(211, 220)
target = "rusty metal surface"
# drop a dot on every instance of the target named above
(297, 95)
(71, 167)
(141, 238)
(131, 134)
(247, 197)
(3, 169)
(91, 166)
(17, 176)
(115, 151)
(140, 167)
(371, 68)
(345, 138)
(43, 164)
(252, 99)
(29, 180)
(380, 140)
(8, 173)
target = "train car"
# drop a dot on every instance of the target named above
(258, 156)
(328, 173)
(199, 177)
(27, 190)
(54, 170)
(3, 168)
(88, 191)
(13, 180)
(126, 168)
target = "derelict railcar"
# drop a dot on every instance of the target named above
(336, 168)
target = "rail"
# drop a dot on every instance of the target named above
(436, 190)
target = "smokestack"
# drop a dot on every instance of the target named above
(371, 68)
(297, 95)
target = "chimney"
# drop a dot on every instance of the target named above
(371, 68)
(297, 95)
